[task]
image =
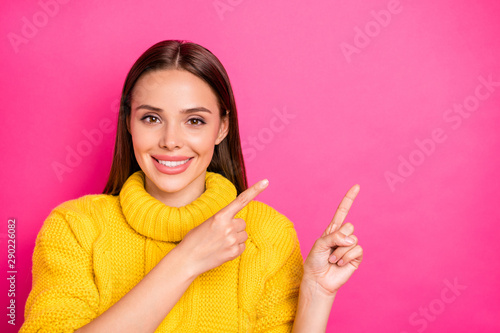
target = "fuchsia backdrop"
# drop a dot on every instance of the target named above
(401, 97)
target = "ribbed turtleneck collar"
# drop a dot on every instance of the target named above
(152, 218)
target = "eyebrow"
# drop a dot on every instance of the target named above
(190, 110)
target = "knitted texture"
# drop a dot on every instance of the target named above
(91, 251)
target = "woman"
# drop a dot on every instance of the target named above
(176, 242)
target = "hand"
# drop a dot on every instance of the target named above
(333, 259)
(220, 238)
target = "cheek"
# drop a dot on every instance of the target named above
(203, 144)
(142, 140)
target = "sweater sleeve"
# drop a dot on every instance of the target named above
(278, 304)
(64, 296)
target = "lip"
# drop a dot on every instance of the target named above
(170, 158)
(172, 170)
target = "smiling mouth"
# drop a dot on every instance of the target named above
(172, 164)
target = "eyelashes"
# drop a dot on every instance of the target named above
(198, 120)
(150, 119)
(156, 119)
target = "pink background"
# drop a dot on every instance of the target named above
(360, 89)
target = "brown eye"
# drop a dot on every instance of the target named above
(197, 121)
(151, 119)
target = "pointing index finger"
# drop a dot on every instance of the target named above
(244, 198)
(343, 209)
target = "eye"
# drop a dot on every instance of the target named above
(196, 121)
(151, 119)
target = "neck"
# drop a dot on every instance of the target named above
(152, 218)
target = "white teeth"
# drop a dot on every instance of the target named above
(172, 163)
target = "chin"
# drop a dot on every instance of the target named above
(173, 183)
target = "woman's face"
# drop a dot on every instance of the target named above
(175, 124)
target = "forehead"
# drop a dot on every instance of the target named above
(173, 89)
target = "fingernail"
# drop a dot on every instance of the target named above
(332, 259)
(264, 183)
(341, 262)
(349, 240)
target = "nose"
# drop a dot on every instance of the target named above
(172, 137)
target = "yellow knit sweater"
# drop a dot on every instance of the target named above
(91, 251)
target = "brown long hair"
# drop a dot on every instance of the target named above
(227, 159)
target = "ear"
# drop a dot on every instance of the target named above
(223, 129)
